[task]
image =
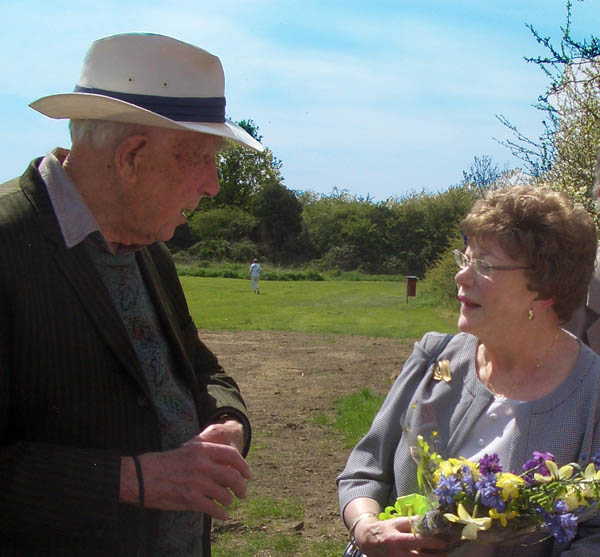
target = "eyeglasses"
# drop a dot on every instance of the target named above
(482, 267)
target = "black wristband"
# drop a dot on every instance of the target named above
(140, 479)
(142, 529)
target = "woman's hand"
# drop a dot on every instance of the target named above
(387, 538)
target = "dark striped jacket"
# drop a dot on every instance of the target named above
(73, 398)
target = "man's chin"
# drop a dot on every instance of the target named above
(164, 234)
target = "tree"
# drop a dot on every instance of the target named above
(566, 67)
(482, 174)
(577, 137)
(565, 154)
(242, 172)
(279, 215)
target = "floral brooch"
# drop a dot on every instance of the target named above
(441, 371)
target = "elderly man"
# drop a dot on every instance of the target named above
(585, 322)
(120, 432)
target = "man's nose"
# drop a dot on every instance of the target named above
(211, 186)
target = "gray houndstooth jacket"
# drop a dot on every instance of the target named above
(565, 423)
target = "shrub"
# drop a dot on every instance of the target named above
(214, 250)
(439, 278)
(243, 251)
(224, 223)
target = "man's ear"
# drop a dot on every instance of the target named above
(128, 156)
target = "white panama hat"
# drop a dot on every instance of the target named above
(151, 80)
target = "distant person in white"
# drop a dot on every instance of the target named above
(255, 270)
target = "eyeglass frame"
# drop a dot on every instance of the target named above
(463, 261)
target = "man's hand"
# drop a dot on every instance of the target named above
(198, 476)
(226, 431)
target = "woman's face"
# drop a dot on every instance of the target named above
(497, 304)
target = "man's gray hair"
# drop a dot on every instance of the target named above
(101, 133)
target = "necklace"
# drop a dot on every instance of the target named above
(515, 385)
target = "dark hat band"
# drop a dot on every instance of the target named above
(181, 109)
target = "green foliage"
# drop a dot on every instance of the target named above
(210, 249)
(243, 251)
(565, 153)
(242, 173)
(577, 137)
(439, 279)
(280, 215)
(222, 223)
(255, 215)
(399, 236)
(252, 128)
(188, 266)
(427, 224)
(355, 414)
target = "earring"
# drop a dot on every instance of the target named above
(530, 315)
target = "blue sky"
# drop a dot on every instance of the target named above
(381, 97)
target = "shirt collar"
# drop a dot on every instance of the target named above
(74, 217)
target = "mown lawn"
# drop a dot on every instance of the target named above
(342, 307)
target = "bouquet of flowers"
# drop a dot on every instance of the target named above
(463, 500)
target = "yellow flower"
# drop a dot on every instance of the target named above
(503, 517)
(556, 473)
(473, 525)
(590, 473)
(453, 465)
(574, 498)
(587, 482)
(509, 484)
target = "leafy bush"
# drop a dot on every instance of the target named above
(215, 250)
(243, 251)
(439, 278)
(223, 223)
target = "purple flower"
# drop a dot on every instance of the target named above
(595, 459)
(562, 525)
(432, 523)
(468, 481)
(446, 489)
(537, 463)
(560, 506)
(490, 495)
(489, 464)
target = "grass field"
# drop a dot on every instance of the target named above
(378, 309)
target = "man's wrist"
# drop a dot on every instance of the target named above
(128, 484)
(225, 417)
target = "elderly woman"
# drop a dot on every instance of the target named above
(519, 382)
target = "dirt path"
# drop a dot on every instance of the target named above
(288, 379)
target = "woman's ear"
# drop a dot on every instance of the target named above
(541, 306)
(128, 156)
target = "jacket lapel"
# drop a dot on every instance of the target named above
(83, 277)
(167, 317)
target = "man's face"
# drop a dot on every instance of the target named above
(177, 169)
